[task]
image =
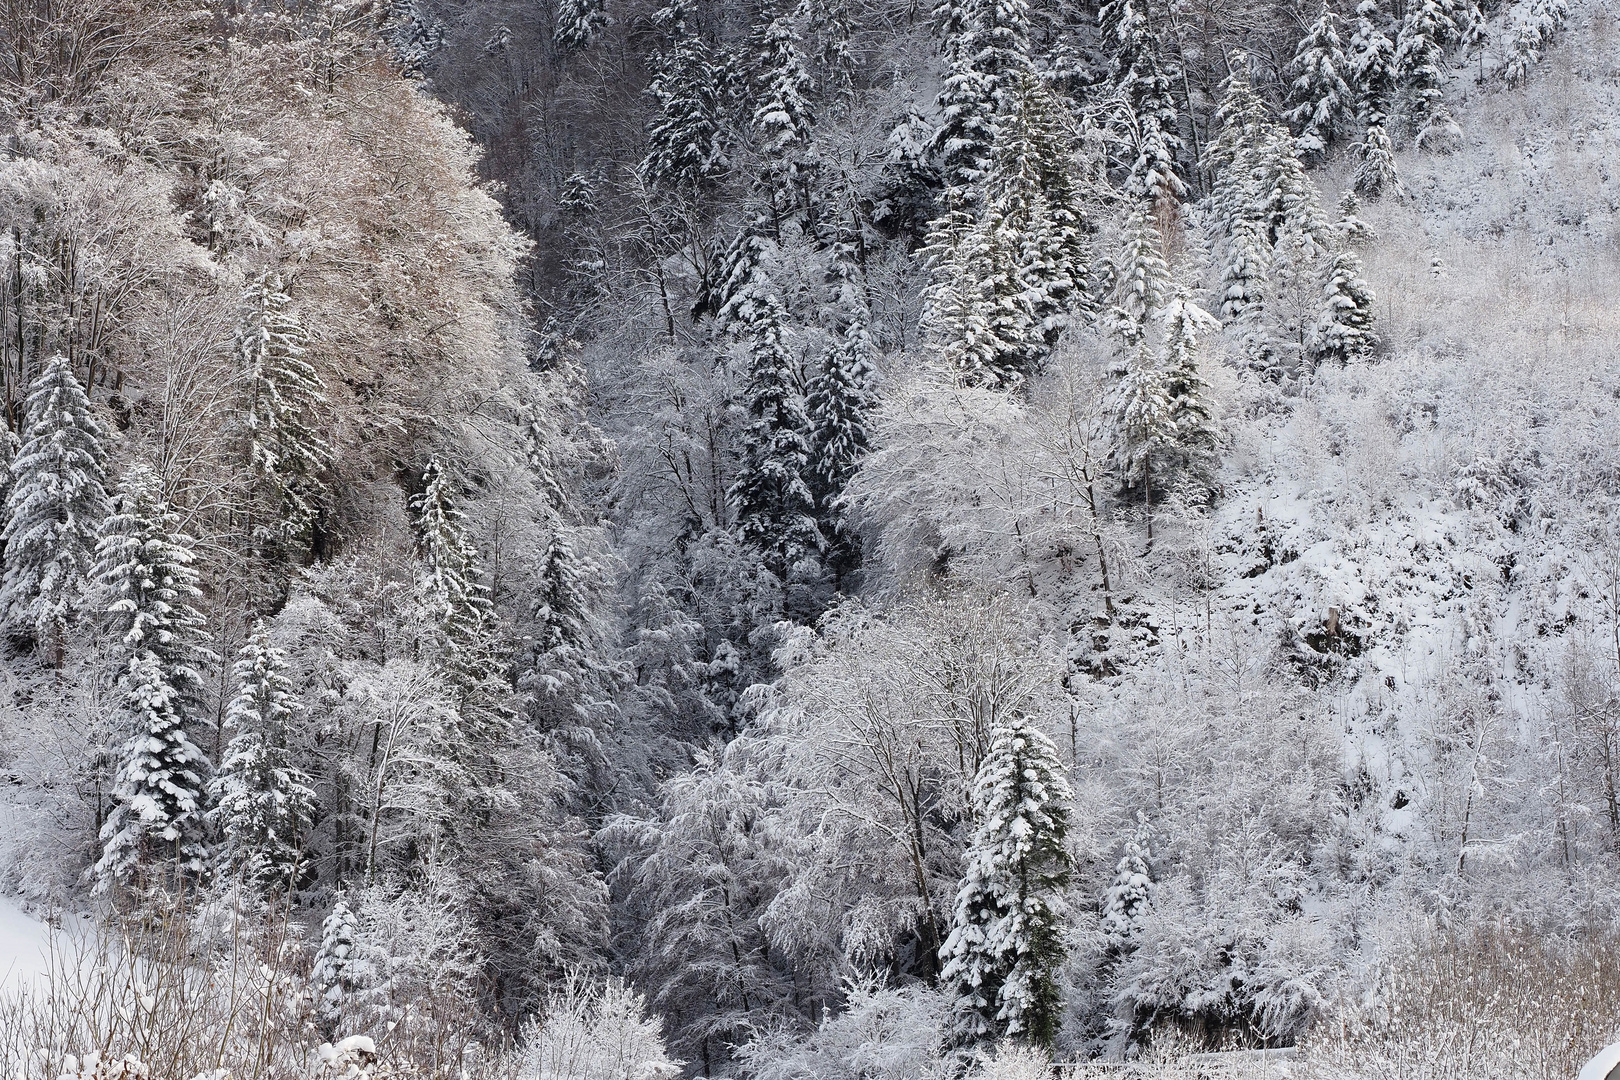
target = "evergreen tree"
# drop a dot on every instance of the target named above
(1244, 276)
(686, 142)
(1005, 944)
(987, 51)
(1420, 64)
(782, 118)
(837, 403)
(1321, 96)
(1140, 278)
(285, 451)
(1144, 425)
(775, 510)
(975, 308)
(144, 571)
(263, 801)
(1375, 174)
(447, 579)
(1032, 200)
(568, 683)
(1344, 330)
(578, 23)
(1371, 65)
(1141, 68)
(967, 128)
(339, 970)
(1197, 437)
(157, 798)
(57, 501)
(1130, 894)
(905, 200)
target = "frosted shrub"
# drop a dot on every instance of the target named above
(595, 1033)
(1499, 1002)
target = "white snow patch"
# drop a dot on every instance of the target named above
(1604, 1066)
(25, 946)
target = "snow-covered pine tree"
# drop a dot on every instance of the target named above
(905, 199)
(775, 510)
(1197, 436)
(56, 504)
(1144, 426)
(1140, 277)
(567, 681)
(337, 973)
(966, 129)
(1371, 65)
(1285, 199)
(1344, 329)
(1142, 69)
(1130, 894)
(1005, 943)
(1322, 100)
(1420, 65)
(285, 451)
(957, 302)
(1244, 274)
(156, 822)
(149, 587)
(1232, 156)
(263, 802)
(578, 23)
(838, 402)
(782, 119)
(686, 141)
(1375, 174)
(986, 44)
(448, 577)
(1033, 204)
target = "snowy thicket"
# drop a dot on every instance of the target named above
(819, 540)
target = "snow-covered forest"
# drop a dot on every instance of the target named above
(811, 539)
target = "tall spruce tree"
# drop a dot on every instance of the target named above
(285, 450)
(263, 802)
(145, 577)
(1421, 65)
(1320, 96)
(687, 141)
(1130, 894)
(1139, 276)
(448, 574)
(1005, 944)
(56, 503)
(578, 23)
(567, 679)
(156, 824)
(1145, 74)
(775, 510)
(782, 119)
(149, 586)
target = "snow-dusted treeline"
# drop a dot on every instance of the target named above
(824, 540)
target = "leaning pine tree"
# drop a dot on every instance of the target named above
(263, 801)
(1006, 942)
(57, 501)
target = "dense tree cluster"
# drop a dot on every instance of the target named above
(775, 517)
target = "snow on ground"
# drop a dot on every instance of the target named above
(25, 944)
(1604, 1066)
